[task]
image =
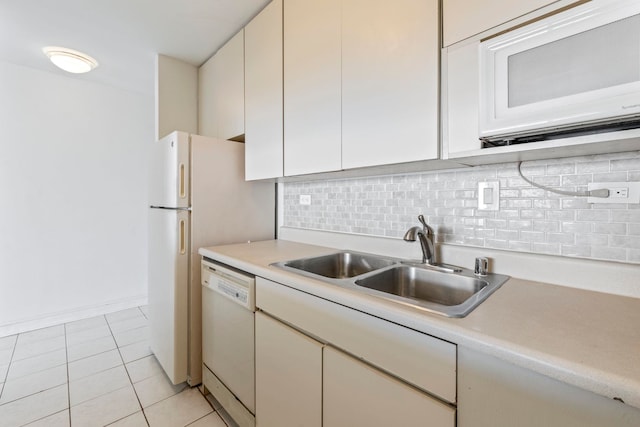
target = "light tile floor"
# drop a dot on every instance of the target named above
(94, 372)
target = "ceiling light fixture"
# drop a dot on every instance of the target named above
(70, 60)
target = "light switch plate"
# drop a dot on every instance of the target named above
(305, 199)
(489, 196)
(619, 192)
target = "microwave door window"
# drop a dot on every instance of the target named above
(600, 58)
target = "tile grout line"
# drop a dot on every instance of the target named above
(6, 375)
(34, 372)
(128, 375)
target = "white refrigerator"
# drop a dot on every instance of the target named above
(198, 197)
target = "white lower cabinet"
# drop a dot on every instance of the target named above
(322, 364)
(356, 394)
(288, 376)
(495, 393)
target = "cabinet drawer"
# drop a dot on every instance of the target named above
(419, 359)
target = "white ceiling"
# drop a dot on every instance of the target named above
(122, 35)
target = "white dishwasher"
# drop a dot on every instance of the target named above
(228, 339)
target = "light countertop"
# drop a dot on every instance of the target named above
(588, 339)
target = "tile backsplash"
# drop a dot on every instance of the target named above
(529, 219)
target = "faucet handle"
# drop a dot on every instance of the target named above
(481, 267)
(427, 230)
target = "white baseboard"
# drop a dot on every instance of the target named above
(53, 319)
(600, 276)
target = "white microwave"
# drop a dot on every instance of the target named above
(574, 72)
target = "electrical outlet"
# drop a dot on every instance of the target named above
(489, 196)
(305, 199)
(619, 192)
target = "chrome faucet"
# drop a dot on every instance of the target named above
(425, 235)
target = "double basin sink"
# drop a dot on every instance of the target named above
(446, 290)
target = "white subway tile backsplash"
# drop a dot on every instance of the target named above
(523, 224)
(532, 236)
(632, 163)
(634, 255)
(574, 203)
(547, 248)
(520, 246)
(592, 215)
(496, 244)
(529, 219)
(593, 240)
(569, 180)
(561, 215)
(593, 166)
(634, 229)
(614, 228)
(607, 253)
(633, 175)
(561, 169)
(548, 226)
(576, 227)
(531, 214)
(583, 251)
(609, 177)
(564, 238)
(632, 242)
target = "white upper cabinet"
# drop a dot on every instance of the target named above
(263, 94)
(207, 120)
(460, 83)
(465, 18)
(360, 83)
(230, 99)
(312, 80)
(389, 81)
(221, 92)
(176, 96)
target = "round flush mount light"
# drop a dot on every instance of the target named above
(70, 60)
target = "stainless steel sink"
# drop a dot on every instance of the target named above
(340, 265)
(424, 285)
(445, 290)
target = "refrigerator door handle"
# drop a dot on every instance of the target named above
(182, 189)
(182, 239)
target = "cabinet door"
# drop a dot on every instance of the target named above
(390, 81)
(464, 18)
(229, 88)
(207, 78)
(263, 94)
(460, 99)
(494, 393)
(288, 376)
(355, 394)
(312, 95)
